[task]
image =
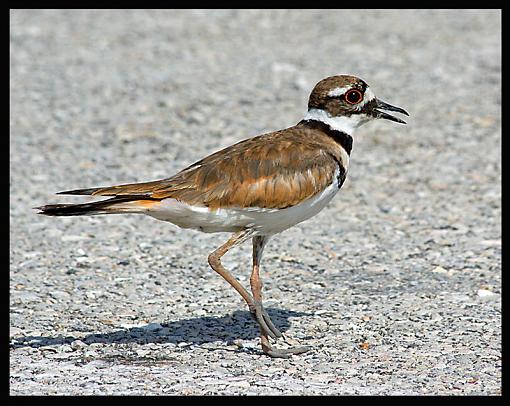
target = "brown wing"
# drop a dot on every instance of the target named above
(273, 170)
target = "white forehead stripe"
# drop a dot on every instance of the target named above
(338, 91)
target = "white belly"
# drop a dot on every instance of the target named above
(263, 221)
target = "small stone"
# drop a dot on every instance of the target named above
(487, 294)
(77, 344)
(199, 312)
(48, 348)
(145, 246)
(439, 269)
(130, 326)
(321, 378)
(240, 384)
(364, 346)
(153, 327)
(143, 352)
(436, 317)
(491, 243)
(91, 294)
(83, 259)
(15, 331)
(90, 354)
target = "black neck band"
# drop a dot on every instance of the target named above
(344, 139)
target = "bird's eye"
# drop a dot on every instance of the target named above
(353, 96)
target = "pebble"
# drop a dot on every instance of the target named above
(15, 331)
(240, 384)
(153, 327)
(142, 352)
(78, 344)
(487, 294)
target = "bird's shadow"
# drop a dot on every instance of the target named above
(240, 325)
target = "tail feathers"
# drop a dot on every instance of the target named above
(114, 205)
(89, 191)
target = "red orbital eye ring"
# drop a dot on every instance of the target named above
(353, 96)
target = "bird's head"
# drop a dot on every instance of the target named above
(345, 102)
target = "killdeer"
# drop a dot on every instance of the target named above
(256, 188)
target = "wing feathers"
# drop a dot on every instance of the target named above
(275, 170)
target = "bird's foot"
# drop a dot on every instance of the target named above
(268, 329)
(284, 352)
(265, 323)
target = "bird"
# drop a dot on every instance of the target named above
(255, 188)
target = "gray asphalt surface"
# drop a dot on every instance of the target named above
(396, 283)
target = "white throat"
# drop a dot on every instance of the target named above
(346, 124)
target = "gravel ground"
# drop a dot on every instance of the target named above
(396, 283)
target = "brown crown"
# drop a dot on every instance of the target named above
(319, 98)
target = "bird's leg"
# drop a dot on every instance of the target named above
(259, 243)
(256, 287)
(215, 262)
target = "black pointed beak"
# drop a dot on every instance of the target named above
(378, 113)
